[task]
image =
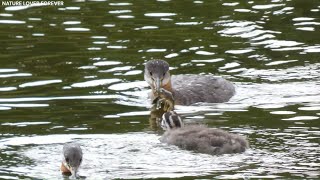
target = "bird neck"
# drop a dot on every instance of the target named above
(168, 86)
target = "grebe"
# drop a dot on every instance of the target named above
(186, 89)
(72, 158)
(200, 138)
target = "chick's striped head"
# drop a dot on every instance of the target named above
(171, 120)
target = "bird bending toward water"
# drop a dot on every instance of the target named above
(200, 138)
(72, 158)
(186, 89)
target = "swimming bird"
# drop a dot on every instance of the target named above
(200, 138)
(72, 158)
(186, 89)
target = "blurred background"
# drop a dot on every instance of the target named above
(75, 73)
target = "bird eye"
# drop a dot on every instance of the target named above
(80, 160)
(164, 74)
(67, 160)
(150, 73)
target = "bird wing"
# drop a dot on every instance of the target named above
(190, 89)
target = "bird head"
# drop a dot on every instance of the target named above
(72, 157)
(157, 74)
(171, 120)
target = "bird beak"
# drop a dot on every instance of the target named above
(74, 171)
(158, 85)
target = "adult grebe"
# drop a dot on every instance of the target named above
(200, 138)
(72, 158)
(186, 89)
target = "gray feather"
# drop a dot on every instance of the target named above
(72, 152)
(190, 89)
(205, 140)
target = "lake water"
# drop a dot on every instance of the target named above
(74, 73)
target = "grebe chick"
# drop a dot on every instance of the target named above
(72, 158)
(200, 138)
(186, 89)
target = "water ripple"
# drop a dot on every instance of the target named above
(120, 4)
(240, 51)
(299, 118)
(25, 105)
(8, 88)
(267, 6)
(129, 85)
(120, 11)
(280, 62)
(159, 14)
(15, 75)
(106, 63)
(30, 99)
(12, 22)
(71, 22)
(23, 124)
(94, 83)
(39, 83)
(77, 29)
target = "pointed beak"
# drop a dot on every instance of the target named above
(157, 85)
(74, 171)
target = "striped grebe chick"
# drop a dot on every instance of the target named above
(200, 138)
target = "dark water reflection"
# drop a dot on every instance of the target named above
(74, 72)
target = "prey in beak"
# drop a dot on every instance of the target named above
(68, 169)
(157, 85)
